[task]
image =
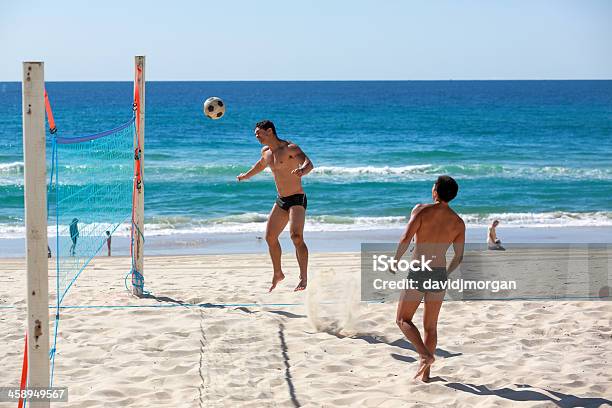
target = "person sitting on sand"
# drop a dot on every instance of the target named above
(288, 164)
(494, 243)
(435, 227)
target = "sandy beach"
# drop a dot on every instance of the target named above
(210, 336)
(273, 219)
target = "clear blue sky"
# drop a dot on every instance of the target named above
(287, 39)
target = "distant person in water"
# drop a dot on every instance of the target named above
(108, 242)
(494, 243)
(435, 227)
(288, 164)
(74, 235)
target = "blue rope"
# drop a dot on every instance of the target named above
(137, 281)
(57, 259)
(221, 305)
(80, 139)
(137, 277)
(53, 349)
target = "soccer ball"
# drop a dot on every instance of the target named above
(214, 108)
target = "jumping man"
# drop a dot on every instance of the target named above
(288, 164)
(435, 227)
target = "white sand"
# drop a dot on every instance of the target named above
(329, 350)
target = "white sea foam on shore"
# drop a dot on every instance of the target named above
(13, 171)
(256, 222)
(464, 171)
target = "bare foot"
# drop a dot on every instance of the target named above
(425, 377)
(424, 364)
(301, 286)
(277, 277)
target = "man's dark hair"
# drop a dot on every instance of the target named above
(447, 188)
(266, 124)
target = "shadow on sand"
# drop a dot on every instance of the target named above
(288, 378)
(287, 314)
(167, 299)
(529, 393)
(401, 343)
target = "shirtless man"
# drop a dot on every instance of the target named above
(288, 164)
(436, 226)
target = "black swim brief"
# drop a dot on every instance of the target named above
(287, 202)
(429, 281)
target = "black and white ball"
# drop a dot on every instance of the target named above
(214, 108)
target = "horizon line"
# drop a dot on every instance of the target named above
(331, 80)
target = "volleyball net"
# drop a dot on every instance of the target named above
(90, 197)
(95, 184)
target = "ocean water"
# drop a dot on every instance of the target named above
(530, 153)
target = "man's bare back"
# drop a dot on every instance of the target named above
(438, 227)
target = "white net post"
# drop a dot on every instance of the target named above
(139, 196)
(35, 197)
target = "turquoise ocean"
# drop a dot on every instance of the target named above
(530, 153)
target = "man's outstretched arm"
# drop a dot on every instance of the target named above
(257, 168)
